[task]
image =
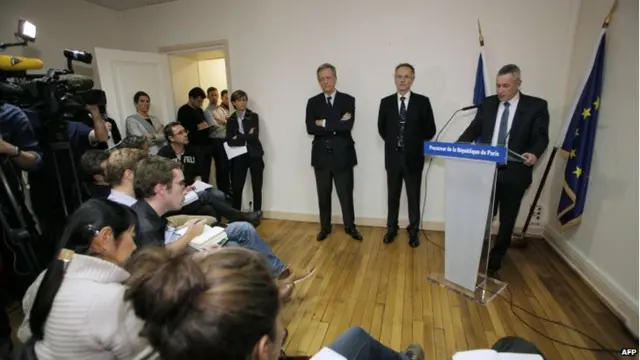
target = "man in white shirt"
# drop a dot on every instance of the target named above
(153, 229)
(405, 122)
(520, 123)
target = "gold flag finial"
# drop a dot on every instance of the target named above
(607, 20)
(480, 38)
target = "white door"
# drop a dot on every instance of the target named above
(123, 73)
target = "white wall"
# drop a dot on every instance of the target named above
(213, 73)
(185, 76)
(61, 24)
(604, 248)
(274, 59)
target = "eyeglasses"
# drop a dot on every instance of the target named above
(182, 183)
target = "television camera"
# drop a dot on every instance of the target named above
(58, 94)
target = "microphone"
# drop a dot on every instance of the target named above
(470, 107)
(81, 56)
(19, 63)
(77, 82)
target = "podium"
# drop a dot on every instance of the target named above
(470, 181)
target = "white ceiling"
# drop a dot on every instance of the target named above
(120, 5)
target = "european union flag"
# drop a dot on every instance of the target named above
(479, 90)
(579, 141)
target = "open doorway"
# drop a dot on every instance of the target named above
(203, 69)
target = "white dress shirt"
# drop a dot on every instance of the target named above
(333, 97)
(512, 111)
(122, 198)
(406, 101)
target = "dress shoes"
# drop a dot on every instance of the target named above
(414, 239)
(323, 234)
(354, 233)
(390, 235)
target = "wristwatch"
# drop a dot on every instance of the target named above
(16, 153)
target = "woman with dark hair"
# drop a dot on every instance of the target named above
(243, 129)
(75, 308)
(144, 124)
(222, 305)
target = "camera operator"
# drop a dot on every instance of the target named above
(18, 140)
(46, 193)
(19, 145)
(81, 136)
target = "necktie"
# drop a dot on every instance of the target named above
(403, 121)
(504, 123)
(329, 101)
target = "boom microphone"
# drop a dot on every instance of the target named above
(81, 56)
(470, 107)
(19, 63)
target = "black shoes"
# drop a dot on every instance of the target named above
(392, 232)
(252, 217)
(354, 233)
(414, 239)
(351, 231)
(390, 235)
(323, 234)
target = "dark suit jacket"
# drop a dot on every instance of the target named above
(529, 133)
(252, 141)
(420, 127)
(332, 147)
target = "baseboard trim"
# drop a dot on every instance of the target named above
(534, 230)
(611, 293)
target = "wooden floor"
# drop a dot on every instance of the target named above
(383, 289)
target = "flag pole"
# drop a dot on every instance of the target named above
(552, 156)
(480, 38)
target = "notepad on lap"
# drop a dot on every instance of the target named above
(190, 197)
(493, 355)
(200, 186)
(328, 354)
(211, 236)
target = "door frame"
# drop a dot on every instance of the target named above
(203, 46)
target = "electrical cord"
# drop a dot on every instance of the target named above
(512, 305)
(424, 189)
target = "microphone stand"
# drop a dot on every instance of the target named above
(424, 190)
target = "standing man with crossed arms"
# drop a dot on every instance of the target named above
(405, 122)
(330, 116)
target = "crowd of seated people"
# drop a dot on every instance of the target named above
(101, 298)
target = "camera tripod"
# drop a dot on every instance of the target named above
(66, 147)
(20, 236)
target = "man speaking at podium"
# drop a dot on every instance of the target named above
(520, 123)
(405, 122)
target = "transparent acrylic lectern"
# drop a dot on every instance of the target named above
(470, 180)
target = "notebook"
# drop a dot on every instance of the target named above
(328, 354)
(210, 236)
(190, 197)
